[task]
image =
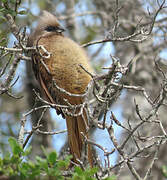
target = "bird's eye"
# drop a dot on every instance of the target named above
(54, 29)
(50, 28)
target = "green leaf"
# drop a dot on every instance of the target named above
(24, 169)
(12, 12)
(1, 165)
(87, 174)
(42, 163)
(2, 9)
(2, 19)
(52, 157)
(16, 148)
(27, 151)
(4, 1)
(78, 170)
(44, 151)
(164, 171)
(6, 158)
(22, 12)
(62, 164)
(92, 171)
(13, 1)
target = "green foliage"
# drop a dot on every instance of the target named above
(8, 11)
(22, 12)
(79, 174)
(164, 171)
(9, 7)
(87, 174)
(16, 165)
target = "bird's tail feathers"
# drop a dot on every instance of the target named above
(76, 125)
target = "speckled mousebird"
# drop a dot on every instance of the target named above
(57, 67)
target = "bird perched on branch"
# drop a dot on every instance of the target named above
(56, 64)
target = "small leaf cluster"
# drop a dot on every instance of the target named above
(16, 165)
(10, 7)
(87, 174)
(164, 171)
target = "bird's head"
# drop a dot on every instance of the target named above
(47, 25)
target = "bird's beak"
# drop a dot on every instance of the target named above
(60, 29)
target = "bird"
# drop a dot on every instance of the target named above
(57, 65)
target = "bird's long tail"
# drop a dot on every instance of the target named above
(76, 125)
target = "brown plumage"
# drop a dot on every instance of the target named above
(62, 68)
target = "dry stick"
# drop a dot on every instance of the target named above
(116, 18)
(128, 163)
(118, 39)
(152, 163)
(47, 132)
(6, 85)
(13, 50)
(29, 136)
(48, 103)
(105, 115)
(131, 133)
(133, 171)
(140, 151)
(64, 107)
(12, 71)
(34, 128)
(12, 25)
(106, 153)
(68, 93)
(37, 130)
(6, 65)
(134, 154)
(21, 132)
(131, 168)
(130, 37)
(15, 30)
(112, 117)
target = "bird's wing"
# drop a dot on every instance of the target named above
(43, 84)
